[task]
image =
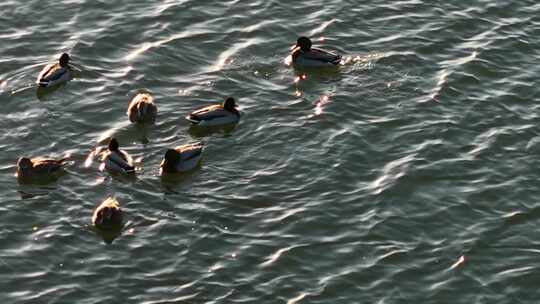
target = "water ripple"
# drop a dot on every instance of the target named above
(403, 176)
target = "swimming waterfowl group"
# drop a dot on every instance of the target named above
(142, 109)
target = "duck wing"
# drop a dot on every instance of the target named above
(52, 73)
(121, 160)
(190, 156)
(322, 55)
(188, 152)
(45, 166)
(142, 110)
(207, 113)
(296, 52)
(46, 70)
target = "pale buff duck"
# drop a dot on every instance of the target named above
(39, 168)
(108, 215)
(142, 109)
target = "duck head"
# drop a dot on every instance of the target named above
(304, 43)
(64, 60)
(24, 163)
(113, 144)
(172, 158)
(229, 104)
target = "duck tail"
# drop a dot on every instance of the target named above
(64, 161)
(129, 169)
(337, 59)
(42, 83)
(201, 143)
(193, 118)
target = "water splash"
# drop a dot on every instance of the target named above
(299, 78)
(90, 159)
(319, 104)
(288, 60)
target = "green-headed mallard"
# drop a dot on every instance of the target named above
(56, 73)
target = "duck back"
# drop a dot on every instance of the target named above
(52, 75)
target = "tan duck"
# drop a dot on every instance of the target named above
(305, 56)
(108, 215)
(142, 109)
(216, 115)
(182, 158)
(55, 74)
(117, 160)
(39, 168)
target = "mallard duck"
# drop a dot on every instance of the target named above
(39, 168)
(56, 73)
(216, 115)
(142, 109)
(182, 158)
(107, 215)
(117, 160)
(304, 55)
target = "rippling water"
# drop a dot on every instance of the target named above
(415, 181)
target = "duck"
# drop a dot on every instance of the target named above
(306, 56)
(108, 215)
(222, 114)
(182, 158)
(39, 168)
(142, 109)
(56, 73)
(117, 160)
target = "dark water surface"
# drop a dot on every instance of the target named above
(417, 182)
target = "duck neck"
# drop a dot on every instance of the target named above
(168, 166)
